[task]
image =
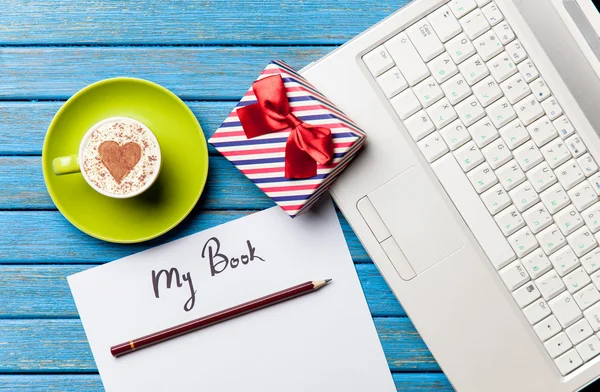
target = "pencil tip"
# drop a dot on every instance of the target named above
(327, 280)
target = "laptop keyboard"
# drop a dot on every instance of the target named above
(510, 159)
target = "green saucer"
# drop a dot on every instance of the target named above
(184, 161)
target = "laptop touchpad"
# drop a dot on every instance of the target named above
(417, 218)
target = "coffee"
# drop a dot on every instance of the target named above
(120, 157)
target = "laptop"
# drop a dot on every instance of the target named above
(477, 192)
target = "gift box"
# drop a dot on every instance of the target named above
(288, 138)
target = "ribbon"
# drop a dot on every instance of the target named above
(306, 145)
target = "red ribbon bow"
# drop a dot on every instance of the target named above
(306, 145)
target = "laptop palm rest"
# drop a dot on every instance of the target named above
(421, 231)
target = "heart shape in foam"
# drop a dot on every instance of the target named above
(119, 160)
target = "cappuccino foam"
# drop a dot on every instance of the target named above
(120, 157)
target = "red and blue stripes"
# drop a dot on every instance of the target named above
(262, 159)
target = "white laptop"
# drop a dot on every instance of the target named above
(477, 193)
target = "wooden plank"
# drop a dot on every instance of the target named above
(189, 22)
(24, 124)
(43, 291)
(45, 345)
(413, 382)
(22, 187)
(197, 73)
(46, 237)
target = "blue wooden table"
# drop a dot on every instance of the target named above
(206, 51)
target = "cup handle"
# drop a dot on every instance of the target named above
(66, 165)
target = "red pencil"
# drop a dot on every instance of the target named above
(211, 319)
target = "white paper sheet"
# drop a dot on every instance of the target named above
(322, 341)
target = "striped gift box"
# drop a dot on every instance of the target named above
(262, 158)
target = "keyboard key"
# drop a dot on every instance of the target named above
(592, 315)
(497, 153)
(552, 108)
(576, 280)
(529, 109)
(504, 32)
(564, 127)
(495, 199)
(482, 177)
(537, 218)
(568, 220)
(461, 7)
(542, 131)
(378, 60)
(540, 89)
(569, 174)
(428, 92)
(510, 175)
(568, 362)
(500, 112)
(551, 240)
(528, 70)
(587, 164)
(502, 67)
(556, 153)
(537, 311)
(515, 88)
(405, 104)
(442, 68)
(589, 349)
(582, 241)
(481, 3)
(487, 91)
(550, 285)
(425, 40)
(536, 263)
(516, 51)
(460, 48)
(473, 69)
(433, 147)
(528, 155)
(575, 145)
(473, 211)
(407, 59)
(558, 345)
(492, 14)
(541, 177)
(514, 275)
(592, 217)
(579, 331)
(419, 125)
(595, 181)
(583, 195)
(565, 309)
(509, 220)
(470, 110)
(555, 198)
(591, 261)
(444, 23)
(483, 132)
(441, 113)
(523, 242)
(474, 24)
(488, 45)
(456, 89)
(514, 134)
(455, 134)
(564, 260)
(469, 156)
(524, 196)
(596, 278)
(392, 82)
(547, 328)
(587, 296)
(526, 294)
